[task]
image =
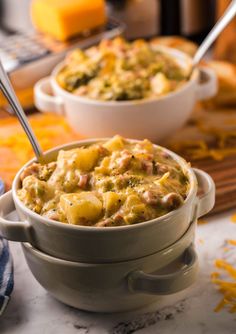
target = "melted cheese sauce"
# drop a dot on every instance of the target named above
(106, 184)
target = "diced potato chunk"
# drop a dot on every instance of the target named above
(134, 209)
(66, 156)
(137, 211)
(112, 202)
(147, 145)
(87, 158)
(104, 167)
(132, 200)
(160, 84)
(81, 206)
(115, 143)
(83, 158)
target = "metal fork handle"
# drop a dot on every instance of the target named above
(11, 97)
(214, 33)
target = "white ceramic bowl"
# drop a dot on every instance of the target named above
(148, 118)
(118, 286)
(109, 244)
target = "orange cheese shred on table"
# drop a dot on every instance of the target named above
(199, 149)
(233, 218)
(220, 144)
(232, 242)
(15, 149)
(202, 221)
(226, 287)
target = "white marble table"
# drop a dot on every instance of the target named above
(33, 311)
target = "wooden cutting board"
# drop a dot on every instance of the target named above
(224, 175)
(212, 130)
(208, 142)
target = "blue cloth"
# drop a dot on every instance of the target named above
(6, 269)
(2, 188)
(6, 274)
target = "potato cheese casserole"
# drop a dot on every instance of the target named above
(112, 183)
(117, 70)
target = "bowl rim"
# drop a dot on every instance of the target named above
(171, 51)
(95, 229)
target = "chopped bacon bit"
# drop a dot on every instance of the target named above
(149, 156)
(82, 90)
(124, 161)
(83, 181)
(103, 151)
(147, 166)
(172, 200)
(118, 218)
(53, 215)
(104, 223)
(126, 153)
(151, 197)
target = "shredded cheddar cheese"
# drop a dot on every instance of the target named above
(232, 242)
(200, 150)
(221, 264)
(162, 179)
(226, 287)
(201, 241)
(218, 142)
(15, 149)
(201, 222)
(233, 218)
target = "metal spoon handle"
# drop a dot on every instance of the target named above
(11, 97)
(214, 33)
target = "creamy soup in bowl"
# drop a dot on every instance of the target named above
(111, 183)
(118, 70)
(135, 89)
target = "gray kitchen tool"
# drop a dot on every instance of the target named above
(11, 97)
(220, 25)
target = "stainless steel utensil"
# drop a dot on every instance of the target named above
(214, 33)
(11, 97)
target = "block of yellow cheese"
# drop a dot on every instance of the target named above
(63, 19)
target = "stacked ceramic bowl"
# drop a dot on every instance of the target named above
(112, 268)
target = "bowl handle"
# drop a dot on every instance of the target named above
(44, 99)
(12, 230)
(208, 84)
(206, 200)
(165, 284)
